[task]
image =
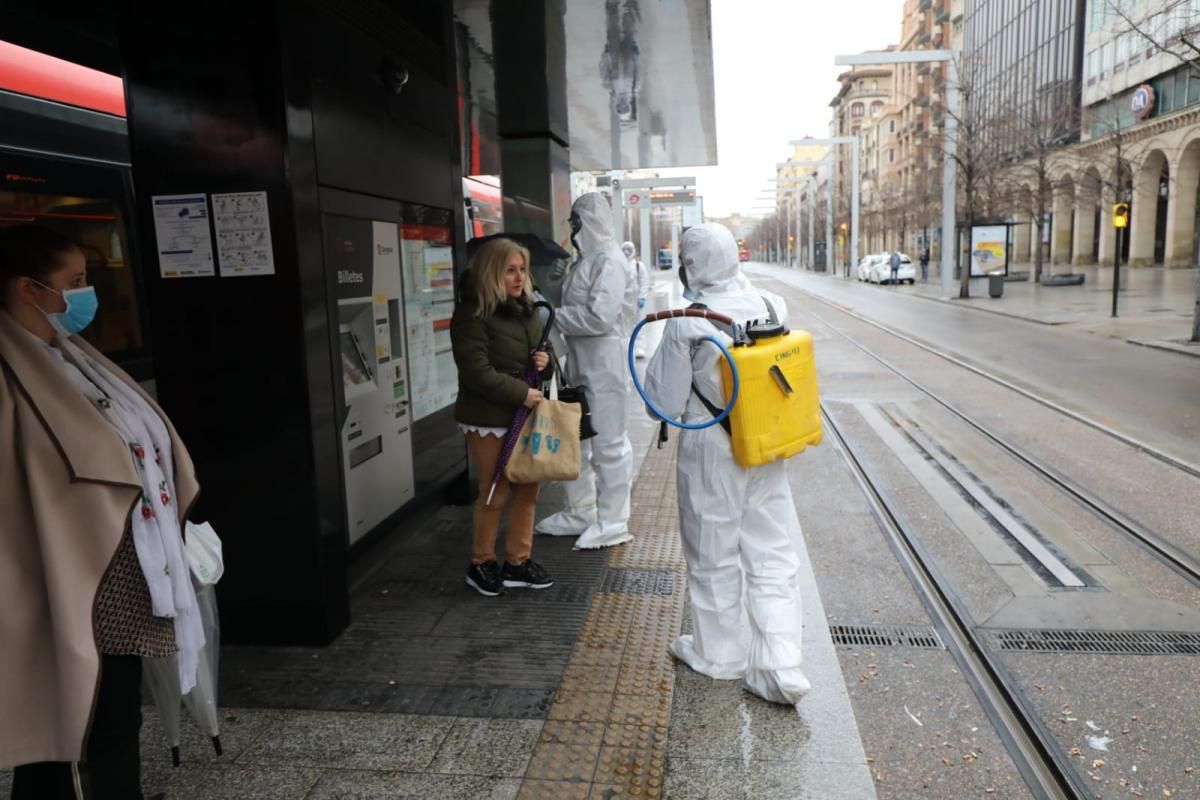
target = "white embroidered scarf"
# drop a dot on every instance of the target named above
(157, 537)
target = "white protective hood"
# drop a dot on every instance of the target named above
(595, 213)
(709, 256)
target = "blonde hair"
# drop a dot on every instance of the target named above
(488, 266)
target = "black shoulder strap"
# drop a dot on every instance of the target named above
(716, 412)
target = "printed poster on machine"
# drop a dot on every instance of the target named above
(425, 244)
(989, 250)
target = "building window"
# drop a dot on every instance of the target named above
(892, 156)
(856, 110)
(874, 86)
(875, 107)
(892, 126)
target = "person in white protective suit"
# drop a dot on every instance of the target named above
(599, 304)
(644, 284)
(737, 522)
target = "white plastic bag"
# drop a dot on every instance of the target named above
(204, 554)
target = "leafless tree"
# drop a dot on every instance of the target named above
(901, 211)
(1031, 135)
(974, 158)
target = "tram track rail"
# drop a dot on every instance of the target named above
(1174, 557)
(1045, 768)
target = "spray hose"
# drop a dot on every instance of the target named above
(703, 313)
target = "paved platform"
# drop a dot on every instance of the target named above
(436, 692)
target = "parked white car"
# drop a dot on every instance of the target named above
(881, 271)
(864, 265)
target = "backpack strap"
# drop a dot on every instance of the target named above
(716, 412)
(712, 409)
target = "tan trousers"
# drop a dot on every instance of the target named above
(518, 540)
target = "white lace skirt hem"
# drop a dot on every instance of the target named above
(482, 430)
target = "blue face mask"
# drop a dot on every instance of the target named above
(82, 305)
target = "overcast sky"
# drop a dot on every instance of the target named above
(774, 80)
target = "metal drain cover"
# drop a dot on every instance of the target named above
(1100, 642)
(923, 636)
(639, 581)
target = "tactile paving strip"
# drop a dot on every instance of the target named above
(606, 733)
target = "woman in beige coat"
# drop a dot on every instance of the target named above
(96, 487)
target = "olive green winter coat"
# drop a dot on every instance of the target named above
(491, 356)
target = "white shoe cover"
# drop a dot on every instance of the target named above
(785, 686)
(599, 535)
(684, 648)
(567, 523)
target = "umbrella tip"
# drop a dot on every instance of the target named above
(216, 740)
(175, 756)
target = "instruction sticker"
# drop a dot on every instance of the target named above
(185, 247)
(243, 234)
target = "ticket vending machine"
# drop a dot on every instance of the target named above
(376, 422)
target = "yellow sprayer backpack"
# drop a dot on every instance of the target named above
(778, 412)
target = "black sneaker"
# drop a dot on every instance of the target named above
(485, 579)
(529, 575)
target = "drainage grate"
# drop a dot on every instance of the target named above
(1165, 643)
(639, 581)
(922, 636)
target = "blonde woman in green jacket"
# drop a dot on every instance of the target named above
(495, 332)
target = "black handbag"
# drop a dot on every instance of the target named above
(576, 394)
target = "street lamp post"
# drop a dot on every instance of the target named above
(949, 215)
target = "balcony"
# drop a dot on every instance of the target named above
(924, 67)
(922, 99)
(941, 13)
(923, 37)
(924, 5)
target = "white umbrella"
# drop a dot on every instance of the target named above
(160, 676)
(202, 699)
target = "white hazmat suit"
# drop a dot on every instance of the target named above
(737, 522)
(599, 304)
(644, 286)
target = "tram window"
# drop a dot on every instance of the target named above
(99, 228)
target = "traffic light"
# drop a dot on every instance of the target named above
(1120, 215)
